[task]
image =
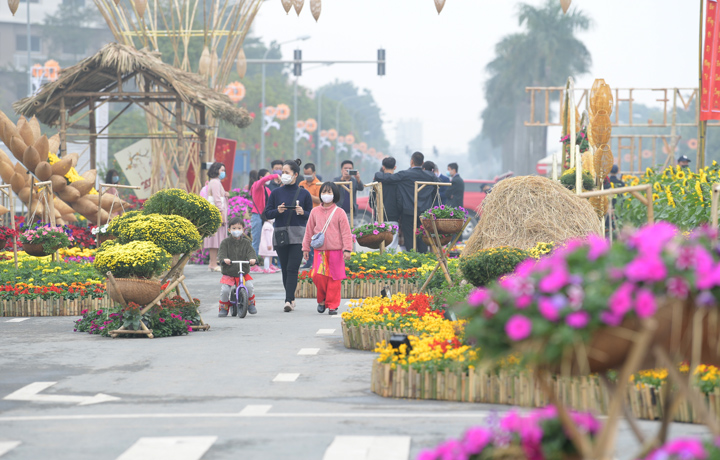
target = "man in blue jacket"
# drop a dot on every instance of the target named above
(405, 181)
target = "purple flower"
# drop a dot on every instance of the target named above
(548, 309)
(518, 328)
(578, 319)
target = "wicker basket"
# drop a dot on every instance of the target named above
(373, 241)
(447, 226)
(107, 237)
(444, 239)
(36, 250)
(142, 292)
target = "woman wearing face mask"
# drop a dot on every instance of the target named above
(290, 206)
(216, 194)
(329, 264)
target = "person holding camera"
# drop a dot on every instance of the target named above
(290, 206)
(349, 174)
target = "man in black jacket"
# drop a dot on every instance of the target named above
(357, 186)
(391, 203)
(405, 181)
(456, 192)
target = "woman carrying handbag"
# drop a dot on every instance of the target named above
(328, 234)
(289, 205)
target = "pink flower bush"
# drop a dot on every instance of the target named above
(566, 296)
(536, 433)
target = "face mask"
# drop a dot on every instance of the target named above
(437, 174)
(308, 178)
(286, 179)
(236, 233)
(450, 174)
(222, 175)
(327, 198)
(116, 179)
(277, 171)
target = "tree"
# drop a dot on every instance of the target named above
(544, 54)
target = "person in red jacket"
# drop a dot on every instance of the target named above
(329, 265)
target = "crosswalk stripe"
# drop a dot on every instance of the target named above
(169, 448)
(7, 446)
(325, 331)
(286, 377)
(256, 409)
(308, 351)
(368, 448)
(17, 320)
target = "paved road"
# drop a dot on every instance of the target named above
(215, 395)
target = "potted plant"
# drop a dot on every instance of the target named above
(577, 309)
(196, 209)
(6, 236)
(537, 435)
(43, 240)
(447, 219)
(134, 266)
(372, 235)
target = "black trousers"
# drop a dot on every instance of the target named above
(406, 223)
(290, 259)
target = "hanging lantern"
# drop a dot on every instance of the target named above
(13, 4)
(315, 8)
(287, 4)
(205, 62)
(241, 63)
(565, 4)
(298, 4)
(439, 4)
(332, 134)
(311, 125)
(349, 139)
(140, 6)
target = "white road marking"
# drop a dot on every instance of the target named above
(210, 415)
(30, 393)
(368, 448)
(17, 320)
(256, 409)
(169, 448)
(286, 377)
(308, 351)
(325, 331)
(7, 446)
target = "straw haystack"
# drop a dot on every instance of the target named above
(522, 211)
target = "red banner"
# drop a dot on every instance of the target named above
(225, 154)
(710, 100)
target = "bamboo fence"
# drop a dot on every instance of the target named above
(352, 289)
(51, 307)
(365, 337)
(522, 389)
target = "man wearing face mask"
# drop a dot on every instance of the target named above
(311, 183)
(456, 191)
(349, 175)
(276, 166)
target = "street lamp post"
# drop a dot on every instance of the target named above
(262, 110)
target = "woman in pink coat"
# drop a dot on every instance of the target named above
(329, 265)
(216, 194)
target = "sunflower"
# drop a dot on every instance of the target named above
(671, 201)
(657, 187)
(699, 191)
(656, 196)
(680, 175)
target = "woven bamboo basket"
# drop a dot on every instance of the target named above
(36, 250)
(142, 292)
(448, 226)
(374, 241)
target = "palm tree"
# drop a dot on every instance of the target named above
(545, 54)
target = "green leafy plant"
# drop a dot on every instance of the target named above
(445, 212)
(206, 217)
(488, 265)
(447, 296)
(173, 233)
(137, 259)
(568, 180)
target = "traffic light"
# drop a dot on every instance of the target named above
(381, 62)
(297, 67)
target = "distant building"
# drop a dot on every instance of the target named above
(408, 137)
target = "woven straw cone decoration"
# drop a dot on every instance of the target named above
(565, 4)
(316, 8)
(13, 4)
(600, 203)
(287, 4)
(601, 97)
(601, 128)
(298, 4)
(439, 4)
(603, 161)
(588, 163)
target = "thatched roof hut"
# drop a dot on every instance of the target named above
(115, 64)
